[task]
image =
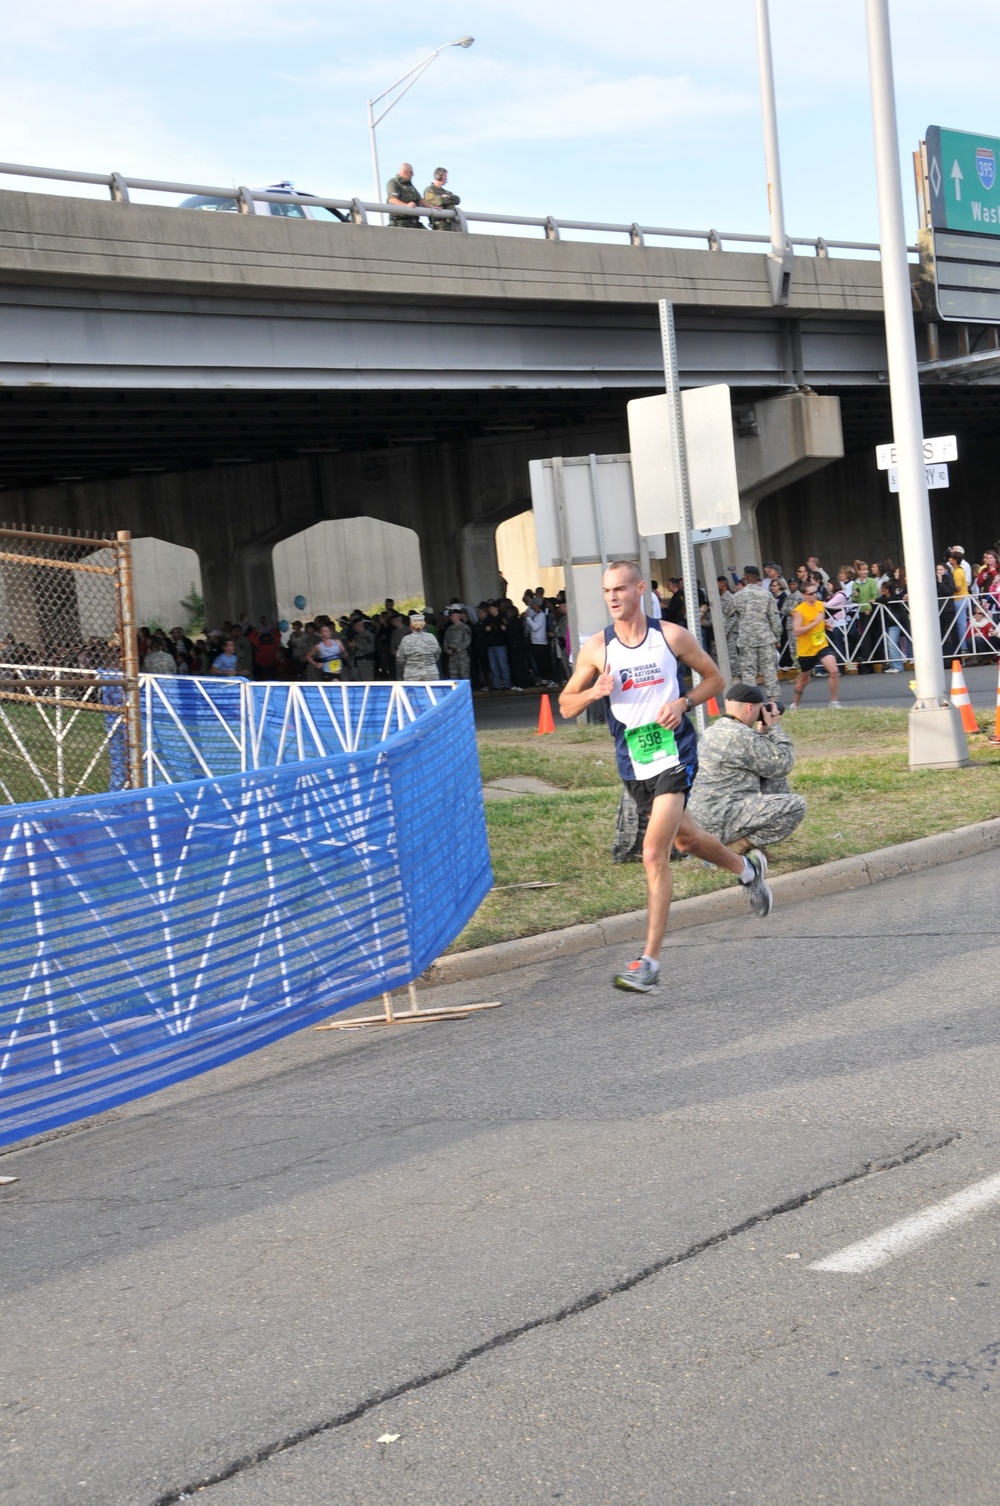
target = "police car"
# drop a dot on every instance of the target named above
(306, 210)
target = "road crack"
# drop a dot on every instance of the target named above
(913, 1152)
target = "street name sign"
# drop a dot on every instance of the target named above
(944, 447)
(937, 477)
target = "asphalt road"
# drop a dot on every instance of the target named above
(513, 710)
(560, 1251)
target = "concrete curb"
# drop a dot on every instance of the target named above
(809, 883)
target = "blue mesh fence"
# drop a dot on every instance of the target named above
(150, 935)
(194, 727)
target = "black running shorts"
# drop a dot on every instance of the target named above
(808, 662)
(670, 782)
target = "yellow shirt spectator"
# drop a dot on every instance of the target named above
(814, 640)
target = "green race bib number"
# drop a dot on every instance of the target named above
(650, 742)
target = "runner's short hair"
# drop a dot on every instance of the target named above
(626, 565)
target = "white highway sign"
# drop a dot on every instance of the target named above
(945, 447)
(937, 477)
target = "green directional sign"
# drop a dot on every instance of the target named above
(963, 171)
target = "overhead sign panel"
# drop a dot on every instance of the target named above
(711, 459)
(961, 252)
(963, 170)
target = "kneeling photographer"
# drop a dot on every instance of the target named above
(741, 794)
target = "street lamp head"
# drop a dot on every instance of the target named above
(464, 42)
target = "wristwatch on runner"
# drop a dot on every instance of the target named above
(688, 703)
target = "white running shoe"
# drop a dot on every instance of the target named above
(758, 892)
(836, 706)
(640, 977)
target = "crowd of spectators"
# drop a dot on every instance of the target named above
(495, 645)
(867, 607)
(500, 646)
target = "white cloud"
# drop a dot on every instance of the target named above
(88, 129)
(564, 106)
(52, 23)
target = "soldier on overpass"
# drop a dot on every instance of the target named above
(400, 190)
(439, 196)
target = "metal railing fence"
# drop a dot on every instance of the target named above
(119, 186)
(969, 627)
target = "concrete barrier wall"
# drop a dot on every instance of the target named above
(164, 574)
(347, 563)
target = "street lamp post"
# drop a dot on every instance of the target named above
(409, 79)
(936, 736)
(780, 261)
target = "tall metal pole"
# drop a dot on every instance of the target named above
(675, 420)
(936, 736)
(765, 68)
(781, 259)
(375, 172)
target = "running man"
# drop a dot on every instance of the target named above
(634, 664)
(812, 645)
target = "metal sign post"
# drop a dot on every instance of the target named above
(130, 658)
(675, 423)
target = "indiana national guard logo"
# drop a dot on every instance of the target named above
(986, 166)
(641, 676)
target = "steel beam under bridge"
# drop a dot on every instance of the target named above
(83, 337)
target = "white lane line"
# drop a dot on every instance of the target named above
(867, 1254)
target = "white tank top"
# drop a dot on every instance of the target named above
(645, 677)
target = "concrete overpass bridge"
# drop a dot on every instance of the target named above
(225, 380)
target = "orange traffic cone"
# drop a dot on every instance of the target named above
(545, 722)
(960, 697)
(712, 706)
(996, 725)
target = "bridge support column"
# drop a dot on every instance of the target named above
(478, 568)
(778, 441)
(238, 581)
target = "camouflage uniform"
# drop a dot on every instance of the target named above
(742, 785)
(759, 633)
(442, 198)
(417, 656)
(363, 651)
(397, 189)
(457, 640)
(244, 656)
(730, 617)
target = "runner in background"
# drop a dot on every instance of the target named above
(812, 645)
(633, 663)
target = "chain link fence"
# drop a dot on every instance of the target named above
(69, 690)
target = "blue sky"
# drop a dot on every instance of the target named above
(585, 110)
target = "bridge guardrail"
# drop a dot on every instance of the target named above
(119, 185)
